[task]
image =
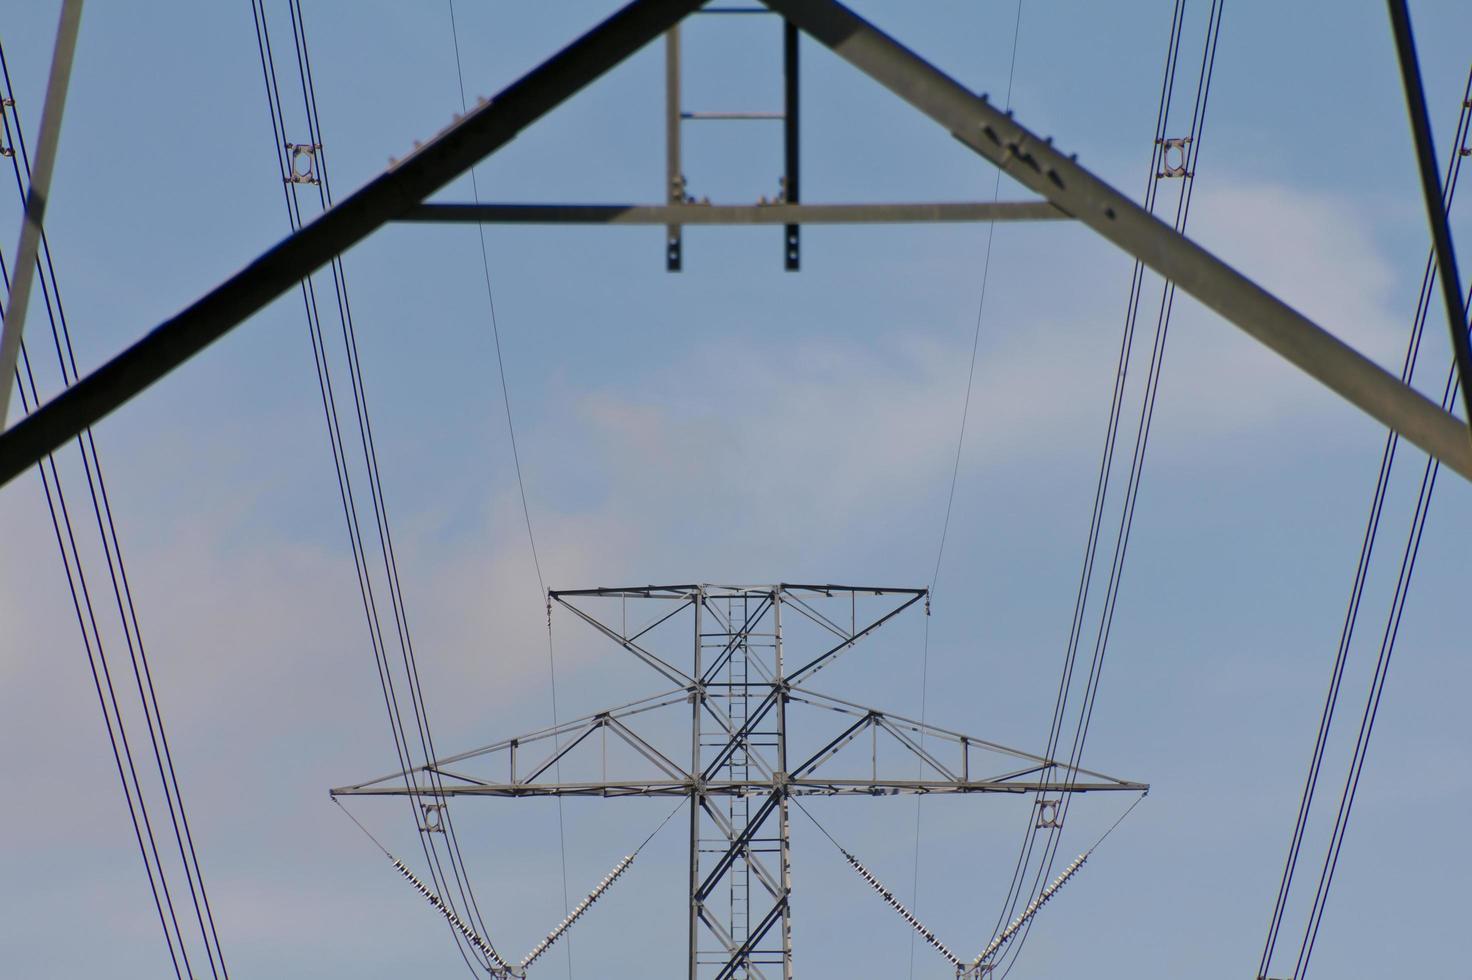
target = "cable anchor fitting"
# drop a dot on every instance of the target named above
(433, 818)
(1173, 164)
(301, 166)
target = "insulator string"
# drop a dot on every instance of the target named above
(577, 912)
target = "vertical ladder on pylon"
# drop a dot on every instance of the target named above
(677, 190)
(738, 767)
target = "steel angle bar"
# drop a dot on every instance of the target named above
(628, 592)
(836, 745)
(719, 931)
(561, 752)
(757, 935)
(849, 707)
(724, 720)
(57, 83)
(664, 700)
(733, 214)
(882, 787)
(762, 710)
(660, 621)
(871, 590)
(768, 807)
(670, 671)
(732, 115)
(1441, 233)
(452, 774)
(915, 748)
(1019, 773)
(818, 662)
(638, 744)
(611, 787)
(817, 617)
(804, 696)
(406, 183)
(674, 187)
(1038, 166)
(763, 873)
(753, 619)
(764, 674)
(791, 142)
(806, 786)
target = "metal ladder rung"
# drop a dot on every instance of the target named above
(733, 115)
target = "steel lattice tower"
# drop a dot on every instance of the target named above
(749, 704)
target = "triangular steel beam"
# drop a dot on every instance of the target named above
(1030, 159)
(406, 183)
(1034, 162)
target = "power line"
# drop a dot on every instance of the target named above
(117, 738)
(516, 461)
(1441, 234)
(986, 267)
(306, 165)
(1354, 604)
(37, 194)
(1188, 148)
(133, 788)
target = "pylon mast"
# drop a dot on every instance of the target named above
(749, 704)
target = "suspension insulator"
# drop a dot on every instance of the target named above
(576, 913)
(904, 913)
(500, 966)
(1027, 913)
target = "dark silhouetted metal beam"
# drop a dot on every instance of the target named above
(36, 198)
(1026, 157)
(1034, 163)
(406, 183)
(733, 214)
(1441, 232)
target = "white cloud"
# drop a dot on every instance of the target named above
(1315, 251)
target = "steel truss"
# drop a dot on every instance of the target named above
(757, 736)
(1032, 160)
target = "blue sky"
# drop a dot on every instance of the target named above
(734, 423)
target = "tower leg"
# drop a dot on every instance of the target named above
(695, 795)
